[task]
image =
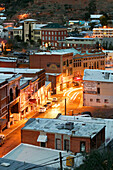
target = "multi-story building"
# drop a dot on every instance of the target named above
(9, 98)
(91, 59)
(98, 88)
(56, 61)
(79, 42)
(37, 31)
(63, 135)
(32, 91)
(103, 32)
(18, 31)
(27, 29)
(51, 33)
(68, 62)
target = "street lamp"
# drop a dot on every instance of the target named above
(65, 106)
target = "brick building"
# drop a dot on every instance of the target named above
(25, 91)
(8, 62)
(9, 98)
(63, 135)
(57, 62)
(51, 33)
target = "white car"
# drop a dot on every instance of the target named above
(54, 99)
(42, 109)
(2, 136)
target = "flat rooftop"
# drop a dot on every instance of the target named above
(36, 155)
(8, 77)
(88, 129)
(19, 70)
(98, 75)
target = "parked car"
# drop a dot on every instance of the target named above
(2, 136)
(49, 104)
(46, 106)
(42, 109)
(86, 113)
(54, 99)
(1, 141)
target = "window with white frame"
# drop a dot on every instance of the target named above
(58, 144)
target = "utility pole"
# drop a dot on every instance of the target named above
(60, 161)
(65, 106)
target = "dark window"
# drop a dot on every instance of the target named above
(11, 95)
(66, 145)
(82, 146)
(58, 144)
(98, 90)
(98, 100)
(106, 101)
(91, 100)
(16, 92)
(67, 63)
(43, 144)
(70, 61)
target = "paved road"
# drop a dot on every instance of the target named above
(73, 100)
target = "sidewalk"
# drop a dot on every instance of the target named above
(17, 124)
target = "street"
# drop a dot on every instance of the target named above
(69, 99)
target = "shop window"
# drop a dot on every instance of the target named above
(82, 146)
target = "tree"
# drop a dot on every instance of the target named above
(98, 161)
(103, 20)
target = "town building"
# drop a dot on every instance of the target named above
(84, 119)
(9, 98)
(27, 26)
(63, 135)
(37, 32)
(31, 90)
(10, 62)
(55, 61)
(97, 88)
(18, 32)
(79, 42)
(56, 80)
(103, 32)
(51, 33)
(87, 59)
(35, 157)
(70, 63)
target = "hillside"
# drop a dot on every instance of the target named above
(56, 10)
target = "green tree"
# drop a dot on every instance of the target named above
(98, 161)
(103, 20)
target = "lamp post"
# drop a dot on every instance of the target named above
(65, 106)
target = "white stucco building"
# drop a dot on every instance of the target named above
(98, 88)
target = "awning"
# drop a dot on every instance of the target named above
(42, 138)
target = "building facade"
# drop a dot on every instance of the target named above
(97, 88)
(55, 62)
(9, 98)
(62, 135)
(51, 33)
(103, 32)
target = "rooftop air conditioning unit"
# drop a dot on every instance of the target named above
(69, 125)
